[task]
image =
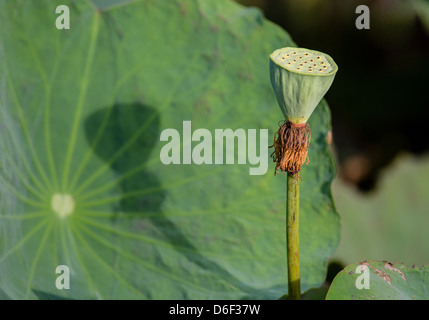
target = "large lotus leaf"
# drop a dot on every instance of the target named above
(391, 222)
(82, 182)
(380, 280)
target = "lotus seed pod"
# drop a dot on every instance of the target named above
(300, 78)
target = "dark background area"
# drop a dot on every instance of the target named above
(378, 99)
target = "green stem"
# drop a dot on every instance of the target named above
(292, 235)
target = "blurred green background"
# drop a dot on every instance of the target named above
(379, 117)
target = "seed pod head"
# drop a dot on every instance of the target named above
(300, 78)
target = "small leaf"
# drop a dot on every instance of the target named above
(385, 281)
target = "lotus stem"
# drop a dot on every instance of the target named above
(292, 237)
(300, 78)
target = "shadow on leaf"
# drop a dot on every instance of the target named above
(113, 129)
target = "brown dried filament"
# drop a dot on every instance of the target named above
(291, 144)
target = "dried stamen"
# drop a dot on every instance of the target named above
(291, 144)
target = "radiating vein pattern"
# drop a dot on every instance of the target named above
(81, 181)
